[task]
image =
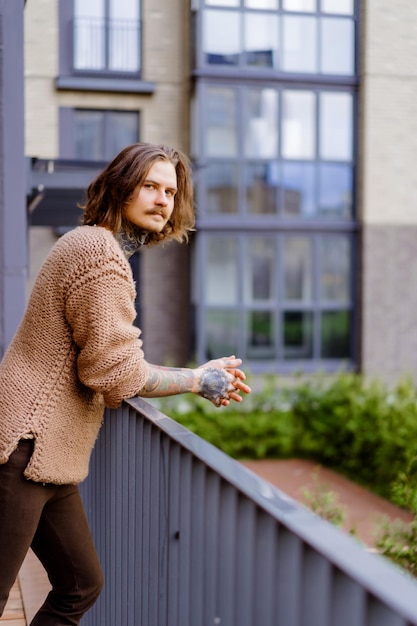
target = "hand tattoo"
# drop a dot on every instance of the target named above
(213, 385)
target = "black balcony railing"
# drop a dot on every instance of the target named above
(106, 45)
(189, 537)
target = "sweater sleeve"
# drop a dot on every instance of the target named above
(100, 311)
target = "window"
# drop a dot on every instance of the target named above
(277, 151)
(106, 35)
(274, 146)
(96, 135)
(100, 45)
(275, 297)
(294, 36)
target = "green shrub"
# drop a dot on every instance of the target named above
(359, 428)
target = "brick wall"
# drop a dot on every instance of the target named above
(388, 188)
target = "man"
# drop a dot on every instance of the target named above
(77, 351)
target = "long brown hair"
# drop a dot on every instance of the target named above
(108, 194)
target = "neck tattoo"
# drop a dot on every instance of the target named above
(130, 242)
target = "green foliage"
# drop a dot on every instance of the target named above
(363, 430)
(324, 502)
(359, 428)
(398, 540)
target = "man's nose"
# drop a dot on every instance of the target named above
(161, 199)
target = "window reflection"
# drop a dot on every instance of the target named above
(261, 39)
(221, 37)
(221, 271)
(261, 138)
(298, 335)
(261, 335)
(299, 46)
(337, 46)
(335, 190)
(343, 7)
(298, 269)
(221, 187)
(261, 4)
(262, 180)
(300, 5)
(222, 333)
(299, 189)
(89, 135)
(335, 335)
(223, 3)
(336, 133)
(221, 122)
(260, 280)
(335, 259)
(100, 135)
(298, 125)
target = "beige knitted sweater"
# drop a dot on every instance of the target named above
(75, 352)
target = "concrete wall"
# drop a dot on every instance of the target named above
(163, 119)
(388, 188)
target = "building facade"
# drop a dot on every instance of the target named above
(298, 116)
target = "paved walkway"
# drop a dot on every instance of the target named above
(294, 477)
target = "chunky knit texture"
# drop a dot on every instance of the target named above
(75, 352)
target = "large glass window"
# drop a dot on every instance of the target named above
(278, 151)
(107, 35)
(275, 173)
(291, 37)
(292, 301)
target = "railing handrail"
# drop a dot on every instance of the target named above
(385, 581)
(190, 537)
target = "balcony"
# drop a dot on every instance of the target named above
(189, 537)
(99, 54)
(106, 45)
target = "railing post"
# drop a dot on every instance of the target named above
(13, 222)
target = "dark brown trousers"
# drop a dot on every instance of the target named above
(50, 519)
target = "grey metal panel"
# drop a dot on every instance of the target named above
(198, 513)
(174, 537)
(227, 548)
(264, 570)
(317, 577)
(380, 615)
(245, 561)
(184, 557)
(289, 578)
(211, 556)
(347, 602)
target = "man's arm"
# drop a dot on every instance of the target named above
(219, 381)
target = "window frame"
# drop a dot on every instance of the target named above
(67, 129)
(102, 80)
(202, 69)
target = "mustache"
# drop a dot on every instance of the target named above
(158, 211)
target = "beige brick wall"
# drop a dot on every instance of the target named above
(388, 189)
(389, 108)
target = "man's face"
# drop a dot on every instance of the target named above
(153, 202)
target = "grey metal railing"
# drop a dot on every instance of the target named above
(189, 537)
(106, 44)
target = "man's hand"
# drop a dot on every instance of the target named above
(220, 381)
